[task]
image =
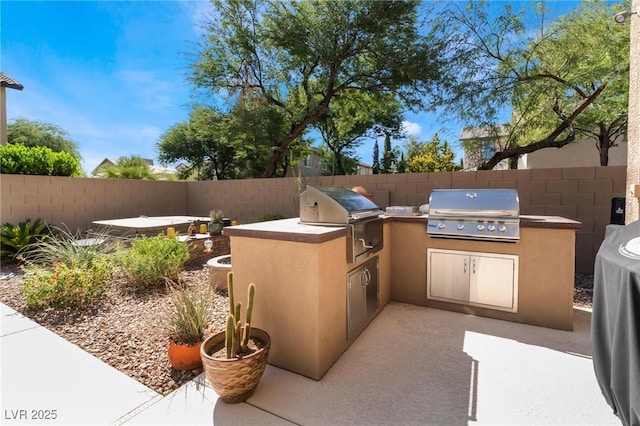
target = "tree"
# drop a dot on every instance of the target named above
(300, 56)
(132, 167)
(550, 77)
(433, 156)
(198, 142)
(37, 133)
(376, 159)
(389, 156)
(350, 119)
(597, 49)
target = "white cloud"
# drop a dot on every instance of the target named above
(411, 129)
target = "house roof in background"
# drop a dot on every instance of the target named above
(6, 81)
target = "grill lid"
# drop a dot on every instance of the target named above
(480, 214)
(496, 203)
(335, 205)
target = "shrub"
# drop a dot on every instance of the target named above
(151, 260)
(187, 314)
(37, 160)
(270, 217)
(62, 246)
(17, 240)
(63, 286)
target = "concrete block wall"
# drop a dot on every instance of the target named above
(580, 193)
(76, 202)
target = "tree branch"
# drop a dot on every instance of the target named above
(548, 142)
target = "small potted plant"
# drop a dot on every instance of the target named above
(186, 318)
(216, 224)
(235, 359)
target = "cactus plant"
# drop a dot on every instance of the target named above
(237, 333)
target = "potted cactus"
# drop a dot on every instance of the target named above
(235, 359)
(216, 224)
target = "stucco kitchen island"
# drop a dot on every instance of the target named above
(300, 274)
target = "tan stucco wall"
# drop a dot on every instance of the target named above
(545, 279)
(582, 153)
(633, 157)
(301, 297)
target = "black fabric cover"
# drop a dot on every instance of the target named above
(615, 324)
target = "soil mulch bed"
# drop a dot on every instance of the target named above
(124, 329)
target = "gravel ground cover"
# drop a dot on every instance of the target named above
(124, 328)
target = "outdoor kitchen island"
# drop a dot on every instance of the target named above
(300, 272)
(301, 291)
(544, 274)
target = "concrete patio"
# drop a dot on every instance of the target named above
(411, 366)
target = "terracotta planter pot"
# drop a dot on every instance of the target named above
(184, 357)
(234, 380)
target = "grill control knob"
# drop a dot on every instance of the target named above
(441, 225)
(480, 227)
(491, 228)
(460, 226)
(502, 228)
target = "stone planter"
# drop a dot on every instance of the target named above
(219, 267)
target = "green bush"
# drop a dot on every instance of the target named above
(270, 217)
(61, 246)
(151, 260)
(16, 241)
(63, 286)
(38, 160)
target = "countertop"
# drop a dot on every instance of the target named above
(293, 230)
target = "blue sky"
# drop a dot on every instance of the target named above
(112, 73)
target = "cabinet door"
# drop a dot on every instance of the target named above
(493, 281)
(447, 276)
(362, 296)
(356, 300)
(372, 290)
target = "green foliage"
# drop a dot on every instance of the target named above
(587, 49)
(36, 133)
(188, 312)
(549, 74)
(292, 59)
(133, 167)
(389, 156)
(376, 159)
(434, 156)
(63, 286)
(17, 240)
(350, 119)
(151, 260)
(271, 216)
(237, 334)
(37, 160)
(64, 247)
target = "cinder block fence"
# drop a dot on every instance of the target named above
(580, 193)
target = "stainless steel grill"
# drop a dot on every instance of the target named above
(478, 214)
(335, 206)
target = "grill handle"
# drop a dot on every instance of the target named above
(476, 213)
(364, 244)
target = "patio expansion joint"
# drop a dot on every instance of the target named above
(273, 414)
(21, 331)
(139, 409)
